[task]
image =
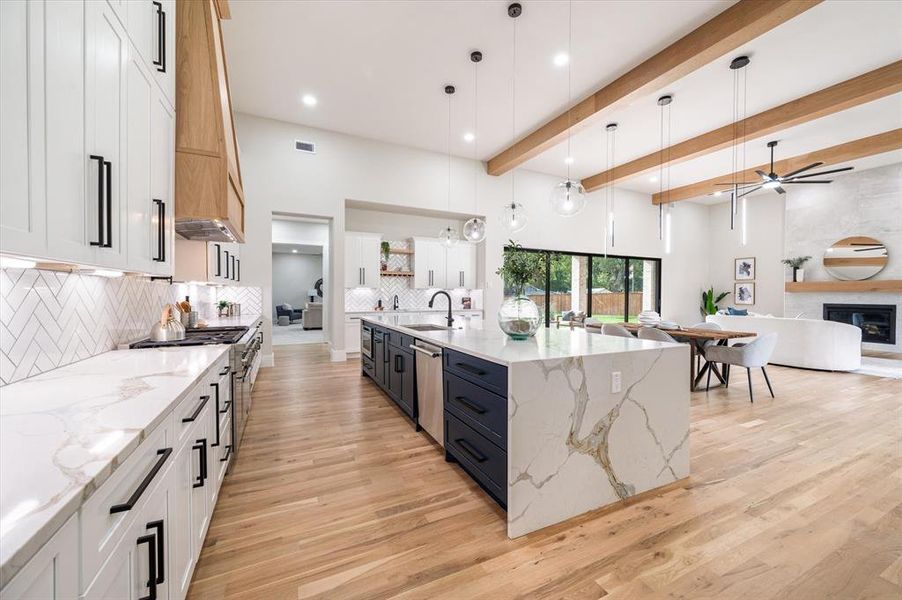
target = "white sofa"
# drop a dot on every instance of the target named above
(805, 343)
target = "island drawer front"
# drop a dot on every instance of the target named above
(485, 461)
(368, 366)
(481, 372)
(101, 529)
(484, 411)
(400, 340)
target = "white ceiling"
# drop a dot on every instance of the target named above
(282, 248)
(378, 68)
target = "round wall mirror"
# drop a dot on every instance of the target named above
(855, 258)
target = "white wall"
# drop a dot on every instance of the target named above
(293, 275)
(764, 242)
(279, 179)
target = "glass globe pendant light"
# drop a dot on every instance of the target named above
(449, 235)
(568, 197)
(474, 229)
(513, 217)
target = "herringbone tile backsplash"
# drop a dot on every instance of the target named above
(49, 319)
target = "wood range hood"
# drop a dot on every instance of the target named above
(209, 195)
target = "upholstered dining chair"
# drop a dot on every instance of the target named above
(753, 355)
(704, 346)
(614, 329)
(653, 333)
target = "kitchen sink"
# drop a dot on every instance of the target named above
(428, 327)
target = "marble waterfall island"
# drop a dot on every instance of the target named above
(572, 443)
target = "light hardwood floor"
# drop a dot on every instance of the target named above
(334, 495)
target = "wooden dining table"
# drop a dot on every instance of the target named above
(696, 338)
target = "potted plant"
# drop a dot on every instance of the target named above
(386, 252)
(519, 316)
(798, 273)
(709, 302)
(223, 306)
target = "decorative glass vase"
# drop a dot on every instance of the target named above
(519, 317)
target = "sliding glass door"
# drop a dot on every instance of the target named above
(610, 289)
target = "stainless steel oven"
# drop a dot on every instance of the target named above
(366, 340)
(246, 358)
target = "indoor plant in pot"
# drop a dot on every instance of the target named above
(798, 273)
(709, 302)
(519, 316)
(386, 253)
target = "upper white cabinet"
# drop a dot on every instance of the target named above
(438, 267)
(151, 25)
(362, 262)
(87, 150)
(212, 262)
(461, 266)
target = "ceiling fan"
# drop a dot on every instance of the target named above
(775, 182)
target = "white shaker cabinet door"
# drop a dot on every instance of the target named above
(370, 261)
(162, 185)
(22, 200)
(106, 52)
(52, 574)
(140, 209)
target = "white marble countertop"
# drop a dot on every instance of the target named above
(239, 321)
(484, 339)
(62, 433)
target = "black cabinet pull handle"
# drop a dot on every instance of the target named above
(158, 61)
(225, 370)
(228, 448)
(161, 548)
(109, 204)
(476, 408)
(225, 407)
(200, 407)
(163, 231)
(151, 542)
(202, 475)
(226, 252)
(99, 160)
(233, 268)
(159, 205)
(471, 450)
(470, 369)
(237, 269)
(218, 261)
(162, 67)
(130, 503)
(215, 386)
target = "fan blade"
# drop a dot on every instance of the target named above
(754, 189)
(810, 181)
(739, 183)
(763, 175)
(797, 171)
(824, 173)
(779, 190)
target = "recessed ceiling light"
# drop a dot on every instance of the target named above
(469, 137)
(652, 179)
(308, 100)
(294, 250)
(561, 59)
(569, 160)
(718, 193)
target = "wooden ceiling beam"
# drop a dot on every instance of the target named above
(873, 85)
(860, 148)
(735, 26)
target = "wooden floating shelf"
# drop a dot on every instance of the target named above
(877, 285)
(400, 251)
(397, 274)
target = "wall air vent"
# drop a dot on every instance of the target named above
(308, 147)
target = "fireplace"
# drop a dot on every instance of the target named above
(877, 321)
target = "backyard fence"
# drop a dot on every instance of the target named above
(603, 303)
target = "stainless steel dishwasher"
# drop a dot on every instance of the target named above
(430, 395)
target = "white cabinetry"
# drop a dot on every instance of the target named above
(87, 135)
(53, 572)
(151, 25)
(362, 265)
(461, 266)
(429, 266)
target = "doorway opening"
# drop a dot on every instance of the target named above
(300, 249)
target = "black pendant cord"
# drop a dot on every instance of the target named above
(569, 158)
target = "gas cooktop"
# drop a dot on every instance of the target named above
(204, 336)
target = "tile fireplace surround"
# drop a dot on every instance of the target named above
(49, 319)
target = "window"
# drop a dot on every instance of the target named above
(611, 289)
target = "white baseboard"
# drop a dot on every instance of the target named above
(268, 360)
(337, 355)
